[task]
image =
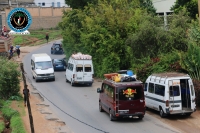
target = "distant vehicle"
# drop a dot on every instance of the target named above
(56, 48)
(42, 68)
(59, 64)
(122, 99)
(170, 93)
(79, 69)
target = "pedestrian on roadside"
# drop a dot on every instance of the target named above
(47, 37)
(18, 52)
(26, 94)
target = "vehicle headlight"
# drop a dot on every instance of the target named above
(52, 74)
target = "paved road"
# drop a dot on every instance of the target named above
(78, 106)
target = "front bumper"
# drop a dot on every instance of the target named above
(45, 78)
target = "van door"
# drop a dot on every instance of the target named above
(192, 94)
(175, 103)
(79, 71)
(131, 99)
(88, 70)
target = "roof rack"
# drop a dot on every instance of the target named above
(80, 56)
(117, 78)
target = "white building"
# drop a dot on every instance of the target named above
(163, 9)
(50, 3)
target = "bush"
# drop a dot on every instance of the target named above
(9, 79)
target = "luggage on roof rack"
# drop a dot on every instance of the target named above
(119, 77)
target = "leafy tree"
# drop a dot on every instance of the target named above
(190, 5)
(148, 5)
(79, 4)
(150, 39)
(9, 79)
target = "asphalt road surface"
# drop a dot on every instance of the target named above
(78, 106)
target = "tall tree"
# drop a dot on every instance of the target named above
(190, 5)
(148, 5)
(79, 4)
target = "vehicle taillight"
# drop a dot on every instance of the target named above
(167, 103)
(92, 75)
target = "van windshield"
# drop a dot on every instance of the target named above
(130, 93)
(43, 65)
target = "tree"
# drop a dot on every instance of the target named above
(148, 5)
(79, 4)
(9, 79)
(190, 5)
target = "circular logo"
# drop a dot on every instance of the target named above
(19, 19)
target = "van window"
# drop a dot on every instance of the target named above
(130, 93)
(43, 65)
(108, 90)
(174, 91)
(70, 66)
(160, 90)
(88, 68)
(151, 87)
(79, 67)
(145, 86)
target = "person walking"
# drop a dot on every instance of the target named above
(26, 95)
(47, 37)
(18, 52)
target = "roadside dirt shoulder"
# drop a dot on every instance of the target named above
(42, 117)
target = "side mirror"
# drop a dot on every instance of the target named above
(32, 67)
(99, 90)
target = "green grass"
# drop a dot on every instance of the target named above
(16, 123)
(1, 126)
(36, 37)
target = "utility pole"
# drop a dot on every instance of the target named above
(199, 10)
(9, 3)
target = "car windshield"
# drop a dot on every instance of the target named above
(130, 93)
(43, 65)
(59, 62)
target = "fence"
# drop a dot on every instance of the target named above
(27, 98)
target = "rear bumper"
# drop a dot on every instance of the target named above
(57, 52)
(83, 82)
(183, 111)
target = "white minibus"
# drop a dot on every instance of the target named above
(170, 93)
(42, 68)
(79, 69)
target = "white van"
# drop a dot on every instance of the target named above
(79, 69)
(42, 68)
(170, 93)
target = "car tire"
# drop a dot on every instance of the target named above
(112, 118)
(162, 114)
(72, 84)
(53, 79)
(100, 107)
(141, 117)
(36, 80)
(33, 77)
(188, 114)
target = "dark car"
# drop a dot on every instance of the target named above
(59, 64)
(56, 48)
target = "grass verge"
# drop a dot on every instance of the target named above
(36, 37)
(13, 116)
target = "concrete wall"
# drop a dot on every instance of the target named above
(41, 17)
